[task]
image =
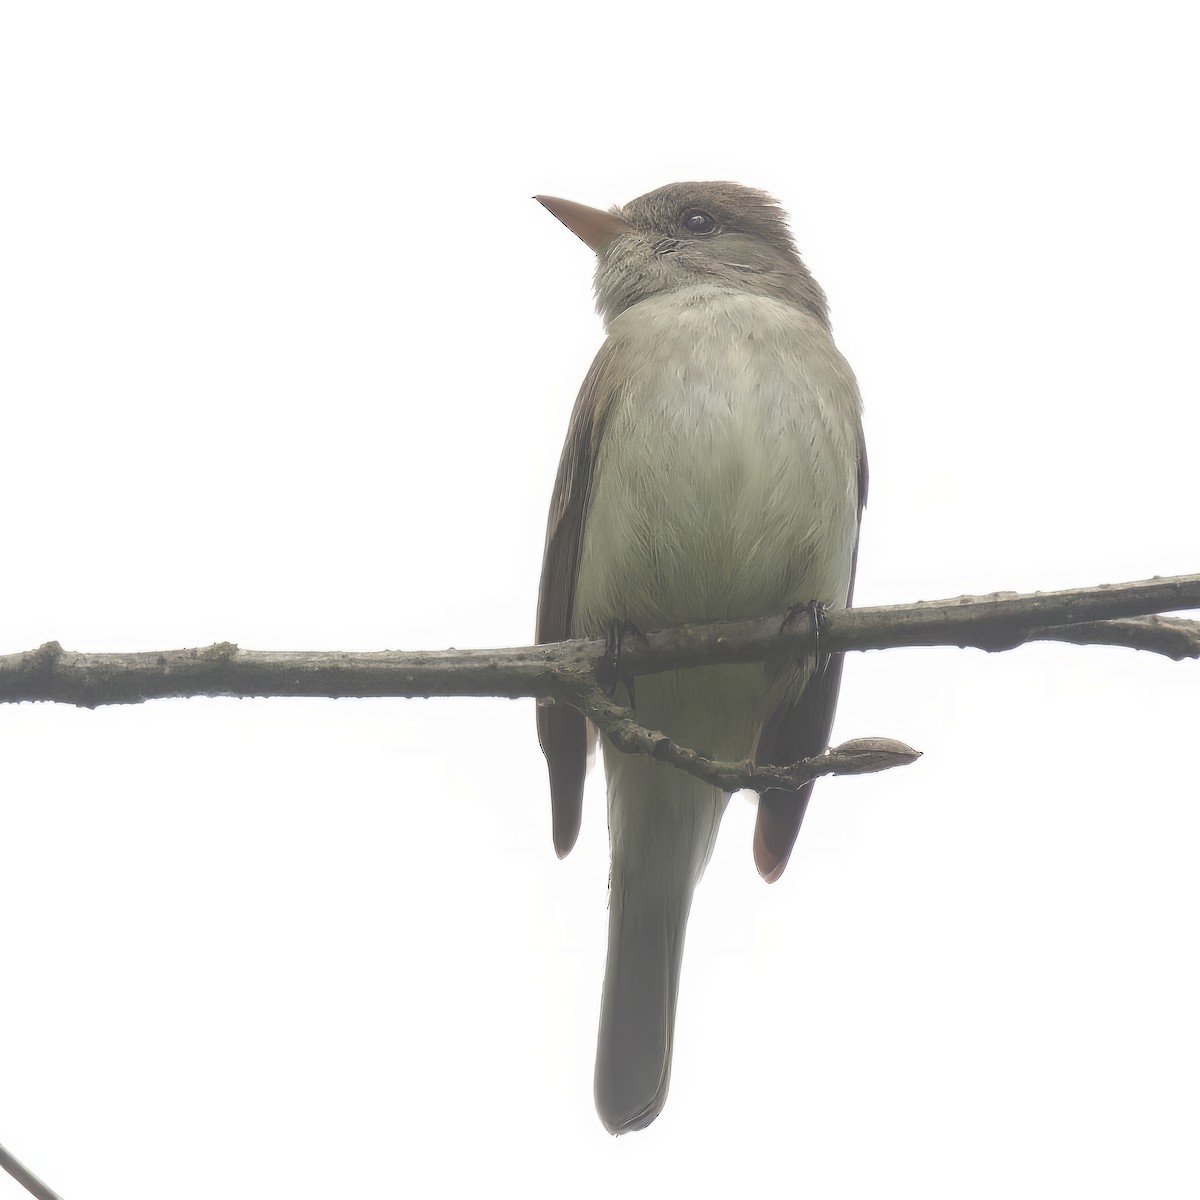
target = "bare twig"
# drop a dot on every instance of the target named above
(1172, 637)
(1000, 621)
(565, 670)
(26, 1178)
(860, 756)
(566, 673)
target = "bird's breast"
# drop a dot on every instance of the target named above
(725, 476)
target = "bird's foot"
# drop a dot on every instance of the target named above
(816, 613)
(610, 672)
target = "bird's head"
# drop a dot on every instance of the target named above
(691, 234)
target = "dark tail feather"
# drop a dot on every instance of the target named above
(779, 817)
(637, 1013)
(799, 731)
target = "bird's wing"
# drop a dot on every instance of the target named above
(561, 730)
(800, 730)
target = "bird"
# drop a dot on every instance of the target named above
(714, 470)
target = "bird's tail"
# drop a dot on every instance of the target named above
(662, 825)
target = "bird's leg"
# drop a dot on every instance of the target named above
(609, 671)
(816, 613)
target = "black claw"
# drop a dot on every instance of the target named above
(818, 612)
(610, 673)
(817, 615)
(607, 671)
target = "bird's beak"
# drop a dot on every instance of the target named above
(590, 224)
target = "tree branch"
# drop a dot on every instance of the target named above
(570, 672)
(25, 1177)
(1171, 637)
(565, 670)
(859, 756)
(1000, 621)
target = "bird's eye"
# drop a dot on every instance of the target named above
(695, 221)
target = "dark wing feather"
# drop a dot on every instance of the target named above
(561, 730)
(800, 731)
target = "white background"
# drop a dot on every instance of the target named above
(288, 354)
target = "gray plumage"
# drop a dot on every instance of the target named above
(750, 249)
(713, 470)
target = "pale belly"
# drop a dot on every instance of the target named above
(726, 480)
(725, 487)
